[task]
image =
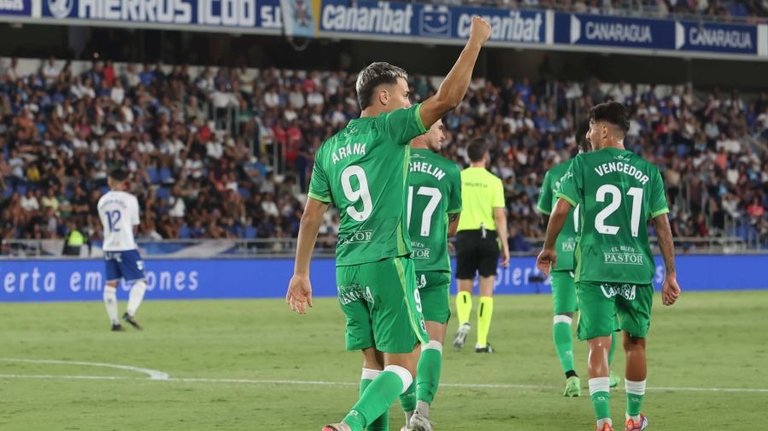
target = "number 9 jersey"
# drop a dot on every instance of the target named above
(617, 192)
(119, 212)
(363, 170)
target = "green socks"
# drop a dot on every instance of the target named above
(428, 374)
(408, 399)
(463, 306)
(382, 422)
(563, 338)
(378, 396)
(484, 314)
(635, 394)
(599, 388)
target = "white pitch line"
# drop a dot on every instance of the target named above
(354, 384)
(153, 374)
(58, 377)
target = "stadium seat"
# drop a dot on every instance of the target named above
(166, 176)
(184, 232)
(249, 232)
(163, 193)
(153, 174)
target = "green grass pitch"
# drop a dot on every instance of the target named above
(253, 365)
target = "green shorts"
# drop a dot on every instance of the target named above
(433, 287)
(381, 305)
(563, 292)
(601, 304)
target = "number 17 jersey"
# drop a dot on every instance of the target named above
(363, 171)
(618, 191)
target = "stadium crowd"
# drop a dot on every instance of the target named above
(227, 153)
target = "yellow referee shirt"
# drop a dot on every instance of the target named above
(481, 192)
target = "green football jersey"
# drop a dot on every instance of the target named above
(363, 171)
(618, 191)
(434, 193)
(566, 241)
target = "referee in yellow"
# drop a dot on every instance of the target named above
(482, 230)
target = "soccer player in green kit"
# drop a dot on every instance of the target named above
(563, 287)
(432, 211)
(363, 170)
(617, 192)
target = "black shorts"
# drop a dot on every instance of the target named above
(475, 254)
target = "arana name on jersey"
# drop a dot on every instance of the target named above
(346, 151)
(427, 168)
(607, 168)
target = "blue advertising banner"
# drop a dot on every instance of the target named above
(508, 25)
(381, 18)
(612, 31)
(702, 36)
(402, 21)
(218, 13)
(417, 20)
(16, 7)
(83, 280)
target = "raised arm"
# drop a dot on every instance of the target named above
(455, 84)
(670, 290)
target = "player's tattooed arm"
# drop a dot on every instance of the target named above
(453, 223)
(666, 243)
(670, 289)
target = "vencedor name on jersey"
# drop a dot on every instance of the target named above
(420, 250)
(357, 237)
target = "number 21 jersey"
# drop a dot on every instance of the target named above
(618, 191)
(119, 212)
(363, 171)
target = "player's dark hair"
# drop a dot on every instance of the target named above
(611, 112)
(581, 136)
(118, 174)
(476, 149)
(372, 76)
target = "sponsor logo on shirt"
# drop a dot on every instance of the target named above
(623, 256)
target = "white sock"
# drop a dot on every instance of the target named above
(404, 374)
(600, 384)
(135, 297)
(110, 302)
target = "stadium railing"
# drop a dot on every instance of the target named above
(284, 247)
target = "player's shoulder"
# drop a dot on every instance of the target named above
(399, 113)
(559, 169)
(104, 197)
